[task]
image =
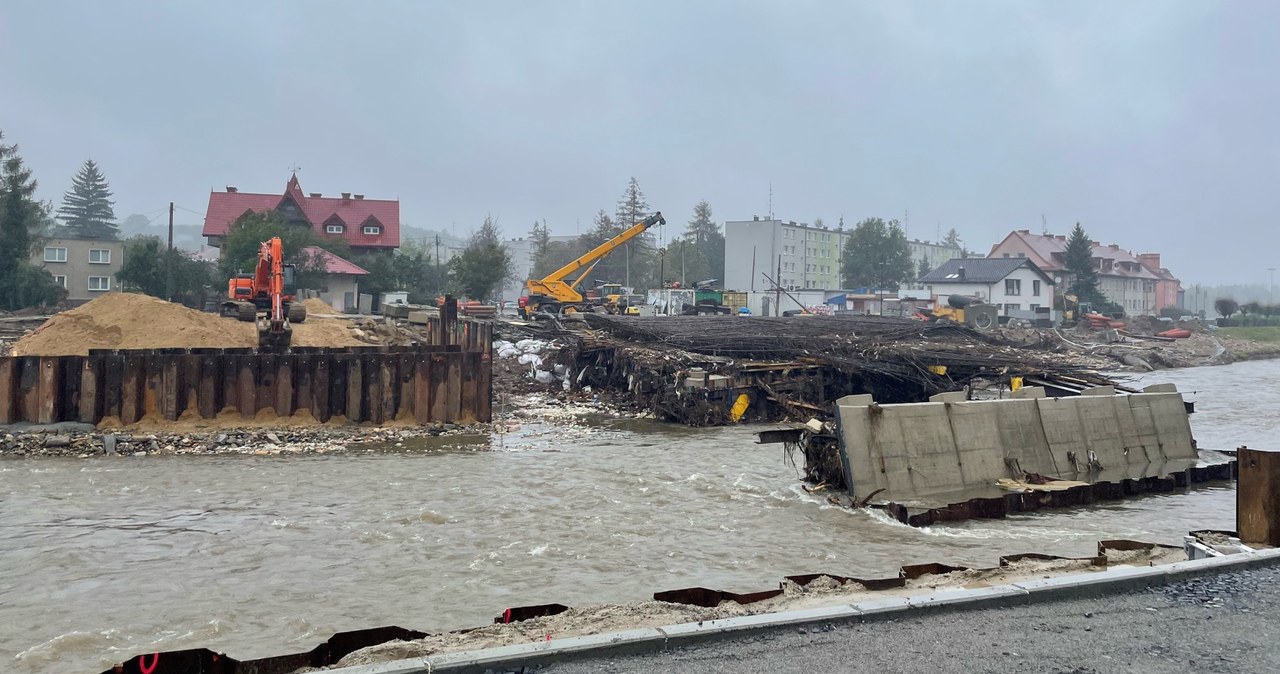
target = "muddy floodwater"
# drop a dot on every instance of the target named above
(104, 558)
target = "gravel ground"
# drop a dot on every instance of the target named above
(1227, 622)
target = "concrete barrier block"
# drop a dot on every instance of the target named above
(1099, 391)
(858, 400)
(1161, 388)
(563, 646)
(949, 397)
(884, 605)
(763, 620)
(973, 595)
(1029, 392)
(1085, 582)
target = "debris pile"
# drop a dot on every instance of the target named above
(696, 369)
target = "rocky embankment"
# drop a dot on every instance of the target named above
(85, 440)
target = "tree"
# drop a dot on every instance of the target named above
(706, 236)
(483, 265)
(685, 262)
(923, 268)
(638, 259)
(876, 256)
(612, 268)
(240, 247)
(146, 269)
(22, 284)
(1078, 261)
(86, 207)
(1225, 306)
(953, 239)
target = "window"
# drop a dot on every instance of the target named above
(1012, 286)
(1033, 307)
(372, 230)
(60, 280)
(99, 256)
(1035, 288)
(1006, 255)
(334, 229)
(100, 283)
(1011, 307)
(55, 254)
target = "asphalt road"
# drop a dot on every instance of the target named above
(1221, 623)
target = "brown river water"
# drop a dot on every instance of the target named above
(104, 558)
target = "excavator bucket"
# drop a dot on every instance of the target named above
(269, 339)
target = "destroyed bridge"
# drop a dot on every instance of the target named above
(713, 370)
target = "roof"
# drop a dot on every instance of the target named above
(332, 263)
(981, 270)
(1048, 251)
(225, 207)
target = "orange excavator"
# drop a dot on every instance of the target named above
(267, 296)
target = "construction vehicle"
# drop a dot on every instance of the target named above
(267, 296)
(971, 311)
(556, 294)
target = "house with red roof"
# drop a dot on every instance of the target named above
(340, 286)
(1136, 283)
(365, 224)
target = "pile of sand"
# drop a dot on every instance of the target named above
(130, 321)
(315, 305)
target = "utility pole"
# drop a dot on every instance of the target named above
(168, 282)
(438, 268)
(1271, 288)
(777, 284)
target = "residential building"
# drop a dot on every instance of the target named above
(365, 224)
(800, 256)
(1168, 287)
(1016, 285)
(1122, 277)
(341, 284)
(933, 255)
(87, 268)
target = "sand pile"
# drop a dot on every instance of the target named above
(130, 321)
(315, 305)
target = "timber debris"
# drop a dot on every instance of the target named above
(714, 370)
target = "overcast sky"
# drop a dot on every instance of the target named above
(1155, 124)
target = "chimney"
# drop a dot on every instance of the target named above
(1024, 231)
(960, 273)
(1150, 260)
(232, 189)
(359, 197)
(346, 196)
(316, 195)
(755, 218)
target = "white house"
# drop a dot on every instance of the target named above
(341, 284)
(1015, 284)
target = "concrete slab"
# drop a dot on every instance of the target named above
(1084, 583)
(796, 617)
(884, 605)
(975, 595)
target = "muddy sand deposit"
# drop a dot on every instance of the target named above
(131, 321)
(823, 591)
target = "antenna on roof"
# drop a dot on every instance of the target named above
(295, 168)
(1044, 225)
(770, 199)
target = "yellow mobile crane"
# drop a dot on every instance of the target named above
(553, 293)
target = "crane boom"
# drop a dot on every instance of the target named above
(554, 288)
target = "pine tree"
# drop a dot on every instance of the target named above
(1078, 260)
(22, 284)
(86, 207)
(953, 239)
(706, 236)
(640, 266)
(483, 266)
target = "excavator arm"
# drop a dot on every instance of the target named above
(555, 286)
(273, 328)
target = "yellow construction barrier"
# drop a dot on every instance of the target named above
(739, 407)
